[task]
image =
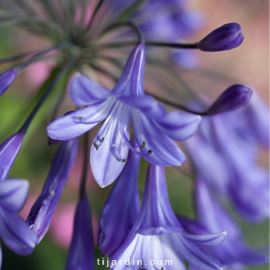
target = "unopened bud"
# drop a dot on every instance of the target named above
(226, 37)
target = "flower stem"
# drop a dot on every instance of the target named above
(52, 81)
(85, 165)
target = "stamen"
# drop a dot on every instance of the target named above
(143, 145)
(96, 145)
(101, 140)
(122, 160)
(150, 152)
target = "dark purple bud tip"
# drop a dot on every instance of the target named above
(234, 98)
(226, 37)
(6, 80)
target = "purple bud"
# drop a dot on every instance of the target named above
(8, 153)
(234, 98)
(6, 80)
(43, 209)
(81, 250)
(226, 37)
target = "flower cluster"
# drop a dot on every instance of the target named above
(110, 50)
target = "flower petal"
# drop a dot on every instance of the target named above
(131, 81)
(207, 239)
(13, 194)
(157, 216)
(77, 123)
(43, 209)
(146, 104)
(15, 233)
(8, 153)
(153, 145)
(83, 91)
(196, 256)
(178, 125)
(109, 151)
(116, 222)
(81, 251)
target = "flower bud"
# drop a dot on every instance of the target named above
(6, 80)
(226, 37)
(8, 153)
(231, 99)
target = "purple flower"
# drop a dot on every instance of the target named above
(233, 252)
(153, 128)
(158, 236)
(81, 251)
(43, 209)
(227, 162)
(6, 80)
(8, 153)
(235, 97)
(226, 37)
(116, 222)
(13, 230)
(167, 20)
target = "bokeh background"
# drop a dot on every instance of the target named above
(248, 64)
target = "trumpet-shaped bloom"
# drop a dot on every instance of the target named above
(13, 230)
(153, 128)
(157, 236)
(43, 209)
(13, 193)
(227, 162)
(81, 251)
(116, 222)
(233, 252)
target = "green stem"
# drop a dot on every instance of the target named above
(85, 165)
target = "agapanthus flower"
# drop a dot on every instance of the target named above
(81, 251)
(153, 128)
(42, 211)
(212, 217)
(116, 222)
(227, 162)
(14, 231)
(158, 236)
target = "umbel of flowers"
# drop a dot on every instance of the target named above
(221, 138)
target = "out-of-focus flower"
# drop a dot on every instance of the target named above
(41, 214)
(151, 124)
(226, 37)
(232, 252)
(6, 79)
(228, 165)
(157, 234)
(13, 230)
(116, 222)
(13, 193)
(81, 251)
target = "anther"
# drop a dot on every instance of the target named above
(150, 152)
(143, 145)
(96, 145)
(122, 160)
(101, 140)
